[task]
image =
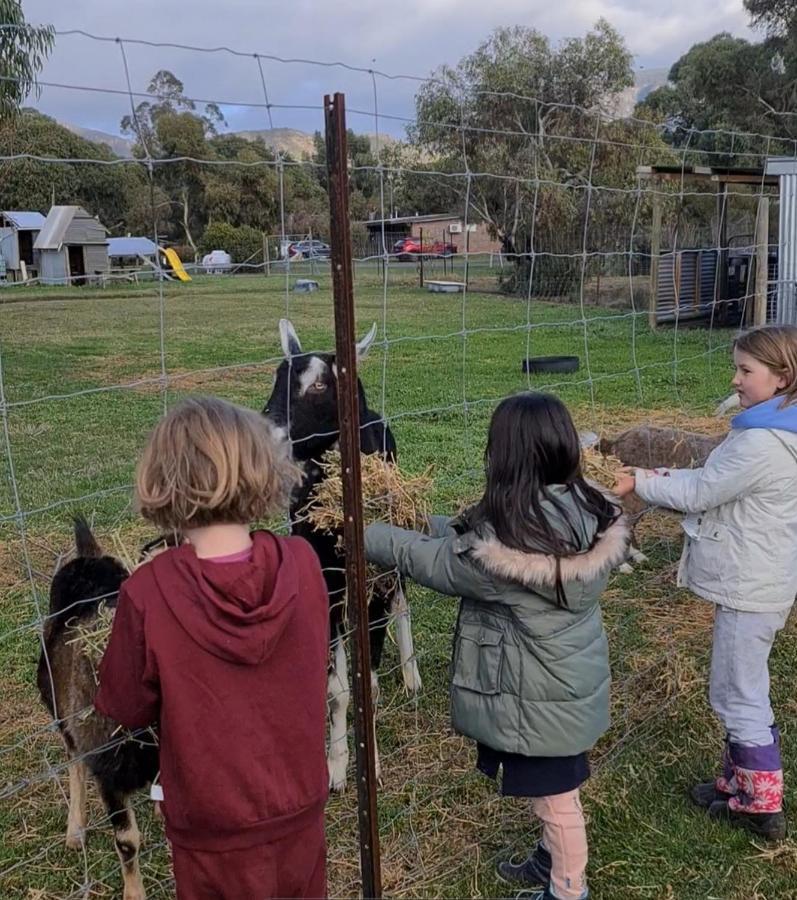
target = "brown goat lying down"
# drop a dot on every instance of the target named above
(650, 447)
(66, 679)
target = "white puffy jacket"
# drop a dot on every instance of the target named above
(740, 549)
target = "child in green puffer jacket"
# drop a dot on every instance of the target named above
(530, 672)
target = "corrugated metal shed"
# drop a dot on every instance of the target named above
(52, 234)
(72, 247)
(686, 284)
(69, 225)
(23, 220)
(54, 267)
(786, 170)
(131, 246)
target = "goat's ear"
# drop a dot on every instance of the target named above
(364, 345)
(727, 405)
(289, 339)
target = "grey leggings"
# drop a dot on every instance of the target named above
(739, 687)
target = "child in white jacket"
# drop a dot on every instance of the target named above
(740, 553)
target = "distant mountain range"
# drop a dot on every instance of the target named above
(300, 143)
(287, 140)
(121, 146)
(645, 81)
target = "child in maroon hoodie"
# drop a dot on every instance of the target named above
(223, 642)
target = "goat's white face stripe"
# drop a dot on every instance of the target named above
(315, 371)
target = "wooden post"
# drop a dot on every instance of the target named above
(721, 283)
(466, 279)
(421, 257)
(598, 282)
(698, 280)
(353, 542)
(266, 261)
(761, 262)
(655, 258)
(677, 266)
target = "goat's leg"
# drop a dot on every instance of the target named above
(127, 840)
(76, 822)
(374, 705)
(409, 663)
(338, 699)
(636, 555)
(634, 509)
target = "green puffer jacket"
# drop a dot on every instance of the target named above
(527, 676)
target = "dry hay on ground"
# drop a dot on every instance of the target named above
(611, 421)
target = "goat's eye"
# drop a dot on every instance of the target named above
(318, 386)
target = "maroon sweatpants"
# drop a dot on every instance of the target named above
(294, 866)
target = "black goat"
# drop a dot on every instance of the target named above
(94, 744)
(303, 406)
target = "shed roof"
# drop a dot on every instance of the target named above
(131, 246)
(23, 220)
(408, 220)
(58, 220)
(717, 174)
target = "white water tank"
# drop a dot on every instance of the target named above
(217, 262)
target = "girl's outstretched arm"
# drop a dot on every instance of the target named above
(435, 562)
(725, 477)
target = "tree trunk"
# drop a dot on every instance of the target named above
(186, 227)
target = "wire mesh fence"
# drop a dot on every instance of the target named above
(544, 230)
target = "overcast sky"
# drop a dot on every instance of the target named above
(407, 37)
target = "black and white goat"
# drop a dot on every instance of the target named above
(303, 406)
(67, 685)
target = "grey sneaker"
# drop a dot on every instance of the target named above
(534, 871)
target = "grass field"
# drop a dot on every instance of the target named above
(86, 375)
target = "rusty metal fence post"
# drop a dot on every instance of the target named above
(349, 420)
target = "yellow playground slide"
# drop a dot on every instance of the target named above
(175, 264)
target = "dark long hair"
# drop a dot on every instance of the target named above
(533, 445)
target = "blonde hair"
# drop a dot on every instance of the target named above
(208, 462)
(776, 347)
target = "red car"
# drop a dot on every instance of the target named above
(408, 249)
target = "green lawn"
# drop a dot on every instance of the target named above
(82, 373)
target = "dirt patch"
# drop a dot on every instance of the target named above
(110, 371)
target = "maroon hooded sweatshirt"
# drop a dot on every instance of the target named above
(230, 661)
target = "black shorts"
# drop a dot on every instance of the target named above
(533, 776)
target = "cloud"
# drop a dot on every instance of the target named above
(411, 37)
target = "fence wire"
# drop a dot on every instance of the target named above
(71, 437)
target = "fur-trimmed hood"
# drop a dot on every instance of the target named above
(539, 569)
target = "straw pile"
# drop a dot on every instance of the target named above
(389, 495)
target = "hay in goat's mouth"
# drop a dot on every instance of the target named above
(389, 495)
(93, 636)
(600, 468)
